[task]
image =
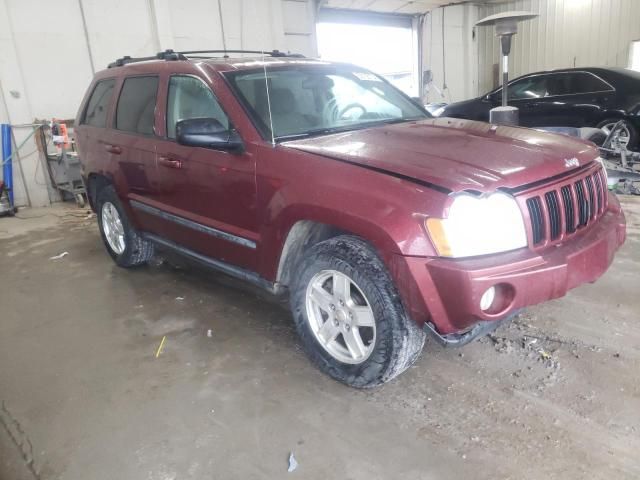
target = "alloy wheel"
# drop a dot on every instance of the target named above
(623, 134)
(113, 228)
(340, 317)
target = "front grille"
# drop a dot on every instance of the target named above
(566, 207)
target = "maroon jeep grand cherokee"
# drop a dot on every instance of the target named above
(324, 181)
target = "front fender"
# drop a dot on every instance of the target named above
(386, 211)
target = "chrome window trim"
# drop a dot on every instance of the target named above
(612, 89)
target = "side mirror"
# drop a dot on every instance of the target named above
(490, 97)
(207, 133)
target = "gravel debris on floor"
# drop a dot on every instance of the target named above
(552, 395)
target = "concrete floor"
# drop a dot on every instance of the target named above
(554, 395)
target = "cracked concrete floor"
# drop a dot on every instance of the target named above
(556, 394)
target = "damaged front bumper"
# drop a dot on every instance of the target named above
(480, 329)
(447, 293)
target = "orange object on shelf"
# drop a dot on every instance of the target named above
(59, 134)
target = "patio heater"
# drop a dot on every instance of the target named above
(506, 27)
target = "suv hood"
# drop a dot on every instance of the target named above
(456, 154)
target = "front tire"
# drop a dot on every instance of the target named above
(349, 316)
(125, 245)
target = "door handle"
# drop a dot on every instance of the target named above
(116, 150)
(170, 162)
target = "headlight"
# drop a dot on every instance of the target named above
(478, 226)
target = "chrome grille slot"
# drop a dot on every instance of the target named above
(592, 197)
(555, 219)
(537, 219)
(569, 209)
(583, 204)
(599, 191)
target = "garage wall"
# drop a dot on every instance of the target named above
(50, 50)
(568, 33)
(454, 68)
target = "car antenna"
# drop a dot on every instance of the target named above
(266, 84)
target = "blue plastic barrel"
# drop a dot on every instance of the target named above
(7, 164)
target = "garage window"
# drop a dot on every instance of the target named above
(136, 105)
(385, 44)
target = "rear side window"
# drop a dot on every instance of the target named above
(98, 105)
(136, 105)
(586, 83)
(559, 84)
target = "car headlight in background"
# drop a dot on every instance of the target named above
(478, 226)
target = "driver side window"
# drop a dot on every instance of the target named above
(189, 97)
(529, 88)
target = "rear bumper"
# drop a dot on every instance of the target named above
(450, 290)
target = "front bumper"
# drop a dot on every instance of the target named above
(447, 292)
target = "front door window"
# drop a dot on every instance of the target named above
(189, 98)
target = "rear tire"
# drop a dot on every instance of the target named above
(607, 125)
(125, 245)
(395, 342)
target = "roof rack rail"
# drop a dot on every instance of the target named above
(272, 53)
(166, 55)
(173, 55)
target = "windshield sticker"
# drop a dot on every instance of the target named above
(367, 77)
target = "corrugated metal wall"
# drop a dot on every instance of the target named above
(567, 33)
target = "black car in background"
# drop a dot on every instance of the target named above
(574, 97)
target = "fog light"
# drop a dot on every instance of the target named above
(487, 299)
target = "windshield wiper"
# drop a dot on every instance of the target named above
(390, 121)
(317, 131)
(345, 128)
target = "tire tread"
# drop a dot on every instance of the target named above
(402, 339)
(138, 251)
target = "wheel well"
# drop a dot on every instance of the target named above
(303, 235)
(609, 116)
(95, 183)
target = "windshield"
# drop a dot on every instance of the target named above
(313, 100)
